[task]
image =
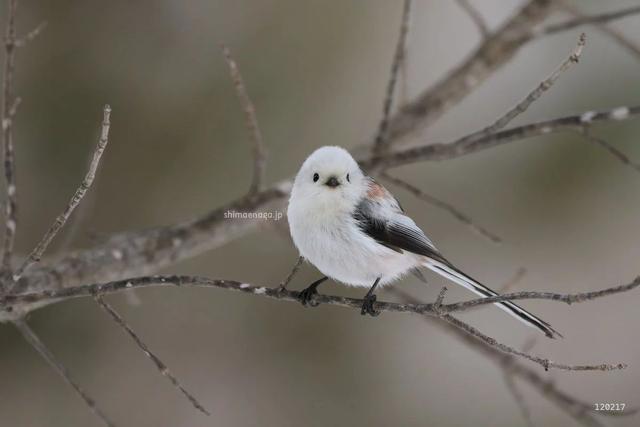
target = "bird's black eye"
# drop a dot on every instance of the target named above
(316, 177)
(348, 180)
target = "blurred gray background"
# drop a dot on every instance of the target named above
(316, 71)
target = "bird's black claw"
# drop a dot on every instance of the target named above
(306, 296)
(368, 306)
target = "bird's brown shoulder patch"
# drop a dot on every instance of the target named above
(376, 191)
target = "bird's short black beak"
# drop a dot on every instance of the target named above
(332, 182)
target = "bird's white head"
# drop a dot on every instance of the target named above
(329, 179)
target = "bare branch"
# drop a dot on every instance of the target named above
(15, 303)
(31, 35)
(259, 149)
(403, 74)
(518, 397)
(294, 270)
(494, 52)
(619, 155)
(439, 300)
(475, 16)
(551, 296)
(545, 363)
(162, 368)
(519, 274)
(143, 252)
(11, 204)
(602, 18)
(538, 91)
(434, 201)
(473, 142)
(381, 142)
(616, 35)
(581, 411)
(46, 354)
(620, 38)
(60, 221)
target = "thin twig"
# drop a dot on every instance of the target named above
(475, 16)
(508, 372)
(620, 38)
(447, 207)
(616, 35)
(381, 142)
(619, 155)
(11, 204)
(17, 302)
(475, 142)
(35, 342)
(581, 19)
(517, 277)
(551, 296)
(545, 85)
(162, 368)
(76, 222)
(544, 362)
(581, 411)
(518, 397)
(439, 299)
(57, 225)
(259, 149)
(31, 35)
(294, 270)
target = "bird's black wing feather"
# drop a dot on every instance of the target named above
(394, 234)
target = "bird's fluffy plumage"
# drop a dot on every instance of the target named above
(354, 231)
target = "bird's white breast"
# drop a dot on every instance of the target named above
(331, 240)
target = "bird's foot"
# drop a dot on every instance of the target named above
(306, 296)
(368, 306)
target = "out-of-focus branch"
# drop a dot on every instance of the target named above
(601, 25)
(7, 138)
(581, 411)
(494, 52)
(61, 220)
(381, 142)
(582, 19)
(617, 154)
(447, 207)
(12, 303)
(31, 35)
(259, 150)
(518, 397)
(475, 16)
(162, 368)
(34, 341)
(517, 277)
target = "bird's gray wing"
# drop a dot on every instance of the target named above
(393, 229)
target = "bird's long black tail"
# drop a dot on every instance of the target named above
(449, 271)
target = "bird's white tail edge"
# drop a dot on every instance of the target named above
(516, 311)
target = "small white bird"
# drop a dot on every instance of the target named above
(355, 232)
